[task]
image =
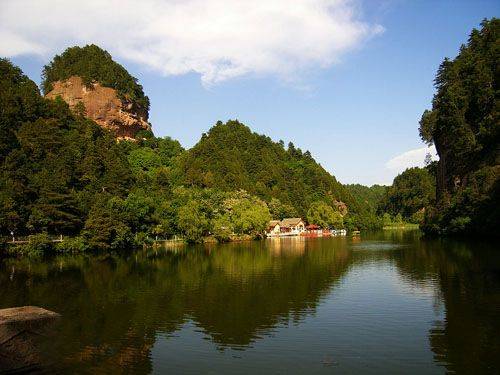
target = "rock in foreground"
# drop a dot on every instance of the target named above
(20, 329)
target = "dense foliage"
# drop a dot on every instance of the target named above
(93, 64)
(410, 193)
(66, 175)
(19, 102)
(367, 196)
(324, 215)
(464, 126)
(231, 157)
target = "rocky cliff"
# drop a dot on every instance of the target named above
(103, 105)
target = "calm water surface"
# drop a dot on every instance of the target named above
(390, 302)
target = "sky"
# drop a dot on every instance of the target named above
(347, 80)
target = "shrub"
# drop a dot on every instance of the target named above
(71, 245)
(38, 246)
(142, 238)
(459, 224)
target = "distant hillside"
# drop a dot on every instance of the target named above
(411, 192)
(369, 196)
(230, 157)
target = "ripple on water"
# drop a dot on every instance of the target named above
(377, 246)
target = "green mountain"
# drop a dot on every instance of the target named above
(230, 157)
(464, 125)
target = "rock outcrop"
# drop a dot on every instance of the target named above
(103, 105)
(341, 207)
(21, 329)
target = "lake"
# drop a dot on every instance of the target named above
(388, 302)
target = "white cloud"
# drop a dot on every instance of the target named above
(412, 158)
(219, 39)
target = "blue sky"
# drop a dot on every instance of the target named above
(353, 100)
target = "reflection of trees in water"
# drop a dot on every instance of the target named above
(258, 289)
(468, 276)
(113, 307)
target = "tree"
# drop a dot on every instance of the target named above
(280, 210)
(398, 219)
(20, 101)
(324, 215)
(144, 160)
(55, 212)
(249, 216)
(387, 219)
(192, 221)
(105, 229)
(222, 227)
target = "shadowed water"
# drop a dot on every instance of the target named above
(388, 302)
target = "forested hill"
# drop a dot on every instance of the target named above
(230, 157)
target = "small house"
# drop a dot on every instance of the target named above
(294, 225)
(274, 228)
(287, 227)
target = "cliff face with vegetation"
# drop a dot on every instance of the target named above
(464, 126)
(102, 105)
(94, 85)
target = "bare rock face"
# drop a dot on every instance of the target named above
(341, 207)
(20, 330)
(103, 105)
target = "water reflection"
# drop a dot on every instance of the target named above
(238, 295)
(468, 276)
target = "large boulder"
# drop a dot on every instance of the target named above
(21, 328)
